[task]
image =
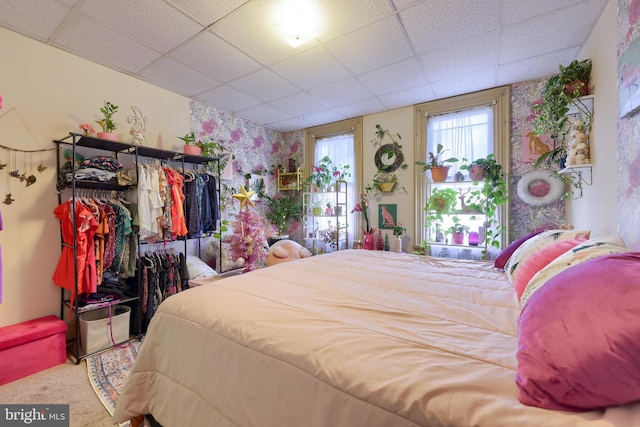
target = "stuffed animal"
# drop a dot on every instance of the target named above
(286, 250)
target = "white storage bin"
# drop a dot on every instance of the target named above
(96, 328)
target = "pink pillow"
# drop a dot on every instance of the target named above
(541, 259)
(504, 256)
(579, 337)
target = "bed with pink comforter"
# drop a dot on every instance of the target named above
(352, 338)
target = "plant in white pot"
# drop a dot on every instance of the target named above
(106, 122)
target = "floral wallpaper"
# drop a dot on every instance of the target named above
(254, 148)
(628, 138)
(523, 217)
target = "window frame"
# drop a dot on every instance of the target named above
(500, 97)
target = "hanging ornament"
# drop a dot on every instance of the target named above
(31, 179)
(244, 197)
(8, 199)
(41, 166)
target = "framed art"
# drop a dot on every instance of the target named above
(387, 216)
(629, 79)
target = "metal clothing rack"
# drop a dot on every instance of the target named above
(75, 140)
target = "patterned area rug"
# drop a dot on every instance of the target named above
(109, 370)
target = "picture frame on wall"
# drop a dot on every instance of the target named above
(629, 80)
(387, 216)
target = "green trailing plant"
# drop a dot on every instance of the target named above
(491, 194)
(560, 93)
(281, 209)
(106, 122)
(459, 228)
(441, 202)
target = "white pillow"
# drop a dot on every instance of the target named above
(198, 269)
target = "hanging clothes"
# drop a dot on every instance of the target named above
(86, 226)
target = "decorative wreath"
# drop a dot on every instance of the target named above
(397, 157)
(540, 188)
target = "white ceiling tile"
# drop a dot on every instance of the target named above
(264, 113)
(431, 25)
(478, 80)
(396, 77)
(263, 42)
(228, 98)
(415, 95)
(310, 69)
(264, 85)
(324, 116)
(470, 55)
(153, 23)
(341, 17)
(342, 92)
(173, 75)
(299, 104)
(19, 16)
(371, 47)
(535, 68)
(361, 108)
(215, 58)
(289, 125)
(520, 10)
(95, 42)
(206, 12)
(551, 33)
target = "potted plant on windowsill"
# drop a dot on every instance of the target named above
(457, 233)
(321, 174)
(439, 171)
(106, 123)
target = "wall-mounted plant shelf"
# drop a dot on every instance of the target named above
(582, 171)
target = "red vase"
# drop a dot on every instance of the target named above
(369, 240)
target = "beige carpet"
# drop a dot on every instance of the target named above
(66, 383)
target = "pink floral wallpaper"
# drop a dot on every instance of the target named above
(628, 138)
(255, 149)
(523, 217)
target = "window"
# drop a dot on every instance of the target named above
(468, 127)
(342, 143)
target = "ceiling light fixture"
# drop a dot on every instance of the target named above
(298, 21)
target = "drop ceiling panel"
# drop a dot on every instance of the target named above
(551, 34)
(434, 24)
(264, 85)
(19, 16)
(289, 125)
(520, 10)
(175, 76)
(361, 108)
(311, 69)
(215, 58)
(478, 80)
(530, 69)
(414, 95)
(341, 17)
(158, 26)
(342, 92)
(93, 41)
(396, 77)
(371, 47)
(299, 104)
(252, 29)
(324, 116)
(470, 55)
(228, 98)
(206, 12)
(264, 113)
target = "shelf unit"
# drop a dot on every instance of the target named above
(290, 181)
(117, 149)
(475, 221)
(320, 220)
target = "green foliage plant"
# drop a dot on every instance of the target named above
(283, 208)
(106, 123)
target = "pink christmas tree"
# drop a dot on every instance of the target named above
(248, 240)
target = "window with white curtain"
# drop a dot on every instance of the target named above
(469, 127)
(342, 143)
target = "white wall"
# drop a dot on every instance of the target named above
(396, 121)
(597, 209)
(54, 92)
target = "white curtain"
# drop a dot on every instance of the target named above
(465, 134)
(340, 149)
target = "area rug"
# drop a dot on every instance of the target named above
(109, 370)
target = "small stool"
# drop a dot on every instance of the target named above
(31, 346)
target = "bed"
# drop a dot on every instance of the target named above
(351, 338)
